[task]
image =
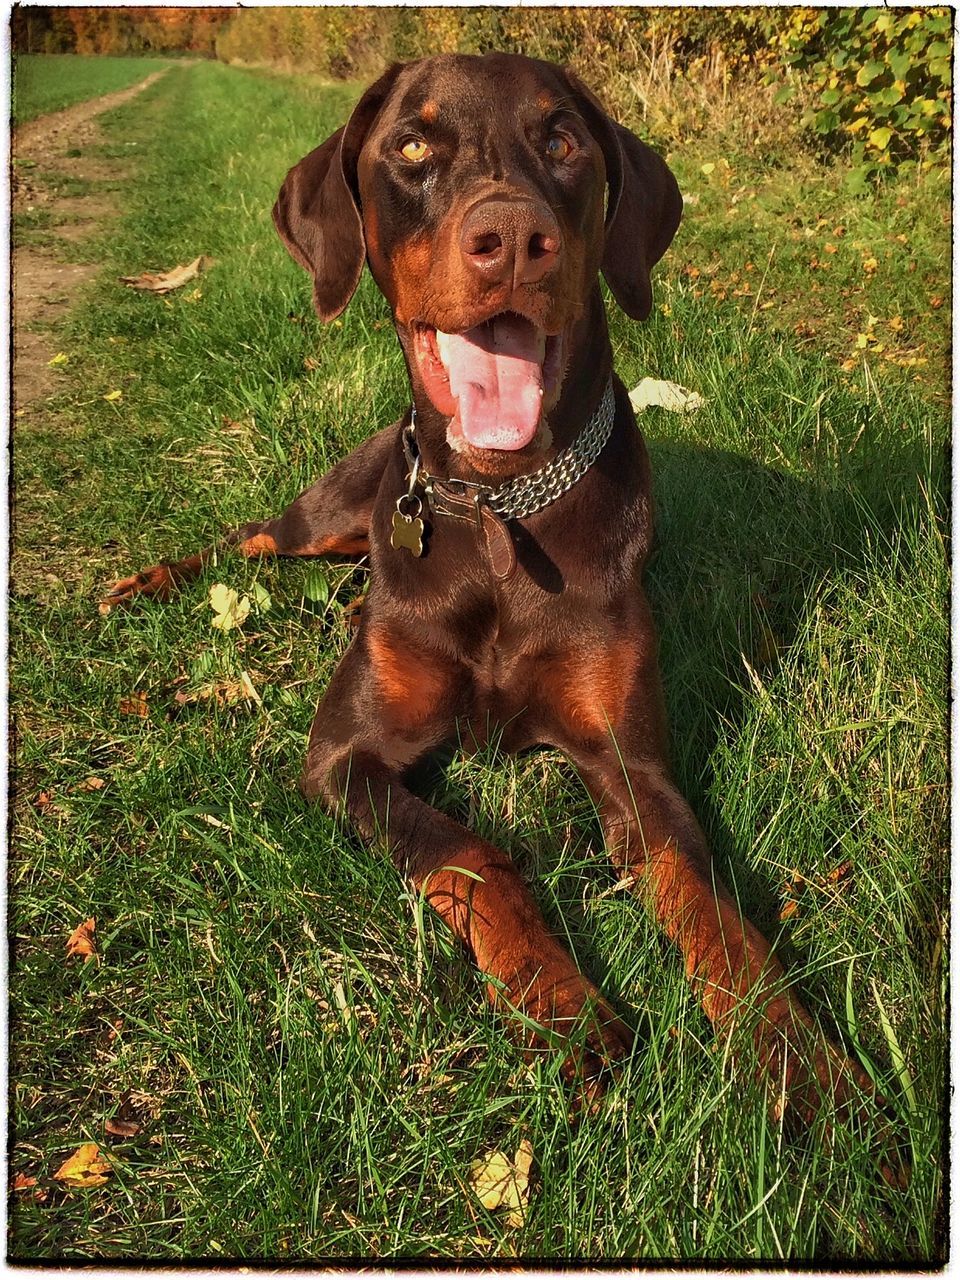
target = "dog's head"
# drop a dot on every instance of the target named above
(486, 193)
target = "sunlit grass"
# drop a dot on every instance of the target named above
(312, 1058)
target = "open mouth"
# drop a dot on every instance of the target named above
(494, 380)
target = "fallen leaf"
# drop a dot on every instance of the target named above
(90, 784)
(125, 1123)
(113, 396)
(839, 873)
(24, 1183)
(81, 942)
(229, 610)
(122, 1128)
(85, 1168)
(135, 705)
(58, 361)
(261, 598)
(500, 1183)
(236, 427)
(44, 800)
(789, 909)
(223, 692)
(167, 281)
(665, 395)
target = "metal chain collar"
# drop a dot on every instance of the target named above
(524, 495)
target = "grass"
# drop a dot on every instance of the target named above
(50, 82)
(313, 1063)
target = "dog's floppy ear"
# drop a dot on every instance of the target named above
(317, 211)
(643, 207)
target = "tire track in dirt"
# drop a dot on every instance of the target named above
(43, 285)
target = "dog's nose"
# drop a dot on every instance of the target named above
(515, 241)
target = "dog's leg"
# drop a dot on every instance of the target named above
(654, 838)
(388, 704)
(608, 719)
(330, 518)
(602, 705)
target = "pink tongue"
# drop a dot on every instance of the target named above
(496, 377)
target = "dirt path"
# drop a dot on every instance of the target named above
(43, 284)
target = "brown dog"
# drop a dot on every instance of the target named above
(507, 526)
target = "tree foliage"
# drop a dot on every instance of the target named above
(90, 30)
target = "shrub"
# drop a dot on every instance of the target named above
(879, 77)
(877, 80)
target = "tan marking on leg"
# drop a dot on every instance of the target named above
(336, 545)
(261, 544)
(588, 692)
(408, 680)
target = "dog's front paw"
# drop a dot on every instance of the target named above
(812, 1077)
(157, 581)
(570, 1016)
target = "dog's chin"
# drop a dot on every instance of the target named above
(500, 462)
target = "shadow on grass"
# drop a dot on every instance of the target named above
(743, 553)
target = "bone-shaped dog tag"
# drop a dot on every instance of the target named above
(407, 529)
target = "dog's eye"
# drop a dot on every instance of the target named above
(558, 146)
(415, 150)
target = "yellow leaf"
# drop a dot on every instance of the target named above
(113, 396)
(229, 609)
(85, 1168)
(707, 169)
(502, 1184)
(880, 138)
(59, 360)
(862, 341)
(870, 265)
